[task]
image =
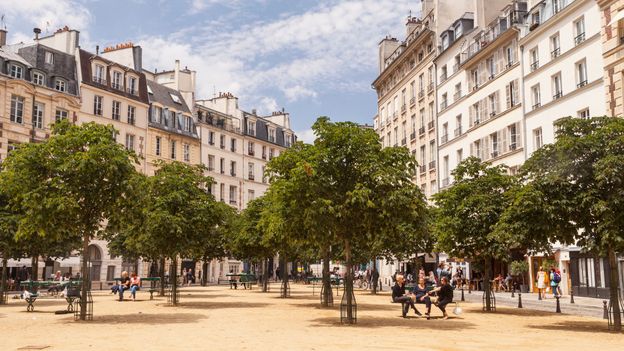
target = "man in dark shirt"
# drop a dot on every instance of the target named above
(445, 295)
(399, 296)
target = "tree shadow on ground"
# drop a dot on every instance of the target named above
(575, 326)
(317, 305)
(220, 305)
(144, 318)
(511, 312)
(203, 296)
(436, 323)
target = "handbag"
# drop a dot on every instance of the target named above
(457, 310)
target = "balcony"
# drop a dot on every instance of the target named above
(492, 32)
(537, 105)
(582, 84)
(513, 146)
(445, 182)
(455, 68)
(99, 80)
(443, 105)
(430, 87)
(421, 94)
(579, 38)
(117, 86)
(210, 168)
(394, 116)
(457, 95)
(555, 53)
(210, 142)
(494, 154)
(233, 173)
(458, 131)
(233, 149)
(413, 135)
(250, 152)
(250, 176)
(421, 130)
(222, 145)
(444, 139)
(264, 156)
(493, 113)
(443, 77)
(423, 169)
(132, 91)
(534, 65)
(432, 165)
(430, 125)
(232, 202)
(403, 108)
(403, 141)
(557, 95)
(412, 100)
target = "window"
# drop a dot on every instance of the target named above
(233, 194)
(535, 96)
(132, 85)
(211, 162)
(131, 114)
(130, 142)
(579, 31)
(581, 74)
(555, 48)
(493, 103)
(187, 152)
(556, 86)
(233, 145)
(17, 109)
(99, 75)
(535, 18)
(264, 154)
(37, 120)
(251, 194)
(97, 105)
(222, 141)
(250, 171)
(264, 178)
(491, 67)
(458, 93)
(38, 78)
(432, 154)
(474, 78)
(271, 153)
(49, 58)
(60, 115)
(60, 85)
(510, 55)
(556, 5)
(116, 110)
(512, 92)
(222, 191)
(188, 124)
(537, 138)
(16, 72)
(233, 168)
(173, 150)
(444, 102)
(443, 74)
(272, 135)
(423, 158)
(222, 165)
(534, 54)
(117, 80)
(460, 155)
(494, 140)
(211, 138)
(584, 113)
(175, 98)
(514, 138)
(458, 125)
(158, 145)
(458, 30)
(251, 128)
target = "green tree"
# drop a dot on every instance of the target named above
(467, 213)
(67, 185)
(573, 190)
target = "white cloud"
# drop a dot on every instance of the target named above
(307, 136)
(268, 105)
(46, 15)
(296, 92)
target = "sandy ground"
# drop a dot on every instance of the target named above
(217, 318)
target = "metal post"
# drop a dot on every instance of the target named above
(605, 311)
(558, 310)
(519, 300)
(539, 294)
(513, 290)
(462, 290)
(469, 288)
(571, 296)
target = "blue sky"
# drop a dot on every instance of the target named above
(312, 58)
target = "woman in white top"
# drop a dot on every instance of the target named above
(541, 282)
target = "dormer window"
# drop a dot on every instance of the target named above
(272, 135)
(175, 98)
(99, 75)
(117, 80)
(445, 41)
(458, 30)
(16, 71)
(132, 85)
(38, 78)
(60, 85)
(49, 58)
(251, 128)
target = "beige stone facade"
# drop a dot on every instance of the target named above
(612, 35)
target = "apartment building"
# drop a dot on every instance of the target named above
(488, 117)
(37, 87)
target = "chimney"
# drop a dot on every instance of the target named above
(176, 75)
(97, 49)
(253, 111)
(37, 31)
(3, 37)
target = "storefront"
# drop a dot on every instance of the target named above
(589, 275)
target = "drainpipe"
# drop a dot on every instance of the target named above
(523, 99)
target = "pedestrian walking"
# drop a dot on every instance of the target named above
(555, 279)
(541, 282)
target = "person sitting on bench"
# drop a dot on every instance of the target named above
(124, 284)
(445, 296)
(399, 296)
(420, 291)
(135, 284)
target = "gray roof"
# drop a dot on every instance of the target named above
(11, 56)
(162, 94)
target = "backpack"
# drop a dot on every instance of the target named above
(557, 278)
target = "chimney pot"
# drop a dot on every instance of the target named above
(3, 37)
(97, 49)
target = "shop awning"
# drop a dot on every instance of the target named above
(19, 263)
(70, 261)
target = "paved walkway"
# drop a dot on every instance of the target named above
(583, 306)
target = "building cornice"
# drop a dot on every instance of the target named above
(542, 27)
(489, 47)
(564, 97)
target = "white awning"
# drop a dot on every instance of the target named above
(70, 261)
(19, 263)
(617, 17)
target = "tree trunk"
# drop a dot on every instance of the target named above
(486, 285)
(265, 274)
(161, 273)
(284, 272)
(374, 280)
(348, 288)
(3, 282)
(84, 275)
(173, 277)
(204, 275)
(34, 263)
(327, 291)
(614, 285)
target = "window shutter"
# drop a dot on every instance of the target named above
(486, 108)
(505, 145)
(472, 149)
(518, 135)
(482, 72)
(496, 98)
(499, 138)
(471, 115)
(516, 91)
(495, 58)
(508, 96)
(500, 63)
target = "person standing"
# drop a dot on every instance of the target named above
(375, 279)
(541, 282)
(555, 279)
(399, 296)
(184, 276)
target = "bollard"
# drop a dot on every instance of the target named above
(558, 310)
(462, 294)
(513, 290)
(606, 312)
(571, 296)
(519, 300)
(469, 288)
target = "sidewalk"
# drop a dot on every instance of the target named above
(582, 306)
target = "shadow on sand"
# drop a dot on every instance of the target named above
(511, 312)
(575, 326)
(144, 318)
(219, 305)
(436, 323)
